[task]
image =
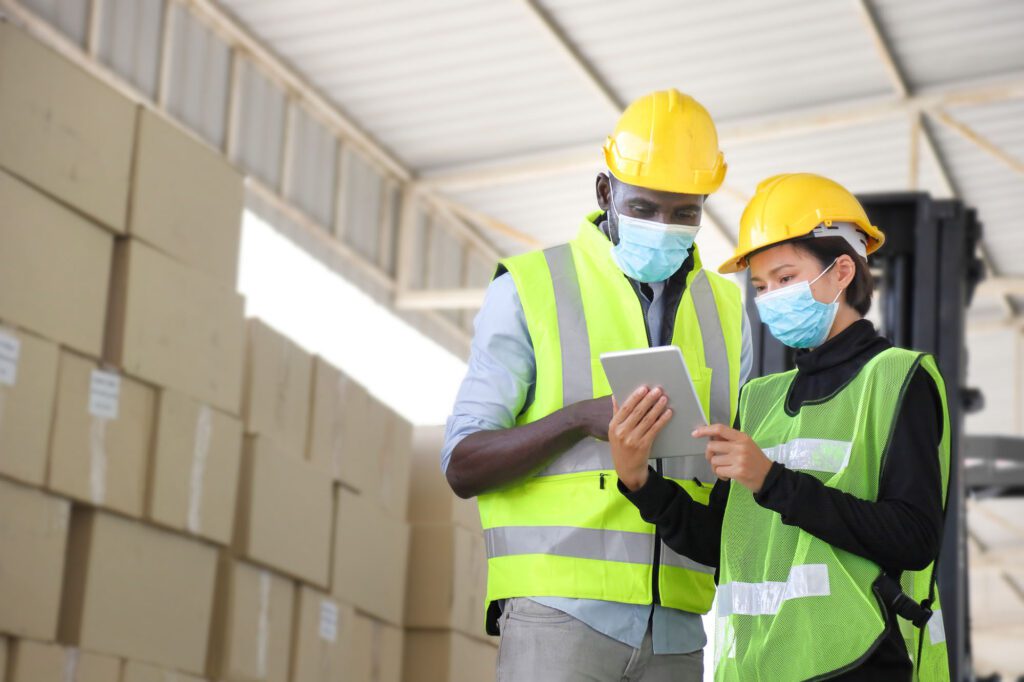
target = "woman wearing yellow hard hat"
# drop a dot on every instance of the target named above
(827, 514)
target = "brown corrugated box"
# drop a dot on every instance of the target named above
(278, 375)
(33, 538)
(252, 628)
(39, 662)
(284, 513)
(340, 436)
(193, 478)
(102, 428)
(370, 553)
(431, 499)
(447, 579)
(28, 386)
(54, 267)
(378, 650)
(322, 650)
(144, 672)
(63, 130)
(186, 199)
(175, 327)
(438, 656)
(393, 463)
(137, 591)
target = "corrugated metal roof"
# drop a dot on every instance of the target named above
(439, 82)
(942, 41)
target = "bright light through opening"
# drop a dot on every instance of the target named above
(297, 295)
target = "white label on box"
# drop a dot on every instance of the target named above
(328, 621)
(10, 351)
(104, 394)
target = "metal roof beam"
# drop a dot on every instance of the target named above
(753, 129)
(581, 63)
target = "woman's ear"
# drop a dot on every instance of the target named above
(845, 270)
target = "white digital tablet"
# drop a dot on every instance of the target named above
(653, 367)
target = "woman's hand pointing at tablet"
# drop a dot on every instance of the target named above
(634, 426)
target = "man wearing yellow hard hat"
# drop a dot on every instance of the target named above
(579, 585)
(830, 499)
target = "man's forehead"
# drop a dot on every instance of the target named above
(627, 191)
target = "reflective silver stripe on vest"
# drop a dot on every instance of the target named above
(577, 381)
(589, 454)
(760, 599)
(670, 557)
(580, 543)
(812, 454)
(716, 355)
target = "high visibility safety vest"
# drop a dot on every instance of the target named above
(791, 606)
(566, 531)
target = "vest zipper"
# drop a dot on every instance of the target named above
(601, 477)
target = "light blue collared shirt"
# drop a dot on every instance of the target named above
(498, 386)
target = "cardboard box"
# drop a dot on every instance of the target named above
(339, 442)
(175, 327)
(143, 672)
(277, 389)
(447, 579)
(252, 630)
(284, 513)
(322, 651)
(39, 662)
(64, 131)
(102, 428)
(431, 499)
(54, 267)
(394, 463)
(378, 648)
(193, 482)
(437, 656)
(137, 591)
(186, 199)
(28, 387)
(33, 538)
(370, 553)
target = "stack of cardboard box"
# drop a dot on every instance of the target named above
(186, 495)
(447, 577)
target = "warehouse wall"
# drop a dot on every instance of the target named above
(185, 492)
(994, 365)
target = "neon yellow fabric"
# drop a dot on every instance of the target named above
(589, 500)
(791, 606)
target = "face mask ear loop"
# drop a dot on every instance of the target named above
(834, 261)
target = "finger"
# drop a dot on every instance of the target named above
(657, 426)
(652, 416)
(634, 398)
(642, 408)
(615, 405)
(718, 431)
(719, 447)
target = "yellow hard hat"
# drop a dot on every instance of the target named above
(793, 205)
(666, 141)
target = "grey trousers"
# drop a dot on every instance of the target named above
(542, 644)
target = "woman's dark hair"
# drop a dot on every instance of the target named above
(826, 250)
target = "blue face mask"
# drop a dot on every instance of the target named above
(795, 317)
(650, 251)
